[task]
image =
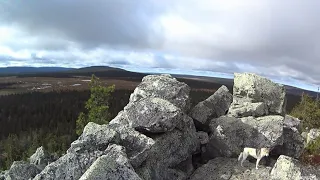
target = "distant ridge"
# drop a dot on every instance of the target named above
(113, 72)
(100, 71)
(22, 70)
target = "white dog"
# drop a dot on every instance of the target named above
(256, 153)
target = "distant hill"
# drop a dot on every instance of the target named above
(111, 72)
(100, 71)
(24, 70)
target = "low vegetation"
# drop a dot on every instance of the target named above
(308, 111)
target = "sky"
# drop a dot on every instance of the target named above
(276, 39)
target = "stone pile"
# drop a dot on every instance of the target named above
(159, 136)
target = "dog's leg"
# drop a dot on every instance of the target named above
(244, 157)
(240, 156)
(257, 162)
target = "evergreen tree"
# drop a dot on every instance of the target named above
(97, 105)
(308, 111)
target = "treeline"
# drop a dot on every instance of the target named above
(35, 119)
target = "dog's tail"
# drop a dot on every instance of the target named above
(240, 156)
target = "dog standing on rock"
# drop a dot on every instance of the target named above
(256, 153)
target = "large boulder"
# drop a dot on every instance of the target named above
(97, 137)
(215, 106)
(254, 95)
(229, 168)
(114, 165)
(138, 146)
(153, 115)
(169, 150)
(165, 87)
(287, 168)
(92, 144)
(292, 122)
(41, 158)
(229, 135)
(293, 142)
(21, 170)
(94, 137)
(70, 166)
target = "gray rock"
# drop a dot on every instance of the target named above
(287, 168)
(313, 135)
(292, 122)
(230, 135)
(245, 109)
(268, 97)
(92, 144)
(186, 167)
(41, 158)
(293, 142)
(2, 175)
(21, 170)
(169, 150)
(153, 115)
(164, 87)
(229, 168)
(203, 137)
(121, 119)
(215, 106)
(70, 166)
(114, 165)
(137, 145)
(97, 137)
(94, 137)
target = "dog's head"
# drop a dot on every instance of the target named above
(265, 151)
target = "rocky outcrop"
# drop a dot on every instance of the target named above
(153, 115)
(21, 170)
(154, 137)
(169, 150)
(70, 166)
(165, 87)
(215, 106)
(256, 96)
(230, 135)
(287, 168)
(91, 145)
(229, 168)
(293, 143)
(40, 158)
(114, 165)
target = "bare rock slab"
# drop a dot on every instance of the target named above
(165, 87)
(269, 97)
(287, 168)
(215, 106)
(114, 165)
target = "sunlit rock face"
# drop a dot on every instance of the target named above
(256, 96)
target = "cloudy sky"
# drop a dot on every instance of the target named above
(277, 39)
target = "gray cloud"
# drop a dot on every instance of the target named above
(91, 23)
(275, 38)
